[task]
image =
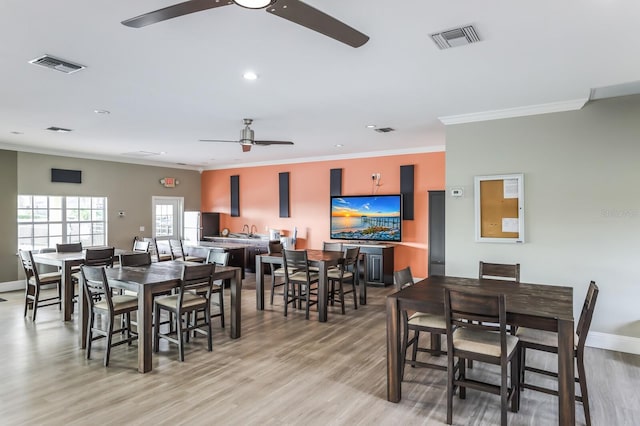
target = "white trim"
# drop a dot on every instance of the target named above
(11, 286)
(614, 342)
(523, 111)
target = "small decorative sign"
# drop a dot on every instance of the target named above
(169, 182)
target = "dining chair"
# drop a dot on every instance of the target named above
(102, 302)
(299, 280)
(345, 273)
(194, 294)
(331, 246)
(140, 245)
(419, 322)
(34, 282)
(142, 258)
(470, 318)
(547, 341)
(277, 271)
(219, 258)
(156, 255)
(69, 248)
(499, 270)
(177, 252)
(99, 256)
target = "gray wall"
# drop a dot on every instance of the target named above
(582, 202)
(128, 187)
(8, 219)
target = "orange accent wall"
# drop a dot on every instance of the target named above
(309, 198)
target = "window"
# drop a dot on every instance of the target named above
(45, 220)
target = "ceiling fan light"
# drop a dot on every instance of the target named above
(254, 4)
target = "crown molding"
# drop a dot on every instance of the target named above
(523, 111)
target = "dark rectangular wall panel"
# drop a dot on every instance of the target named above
(66, 176)
(335, 185)
(235, 195)
(406, 188)
(283, 187)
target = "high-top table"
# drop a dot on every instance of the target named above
(150, 280)
(537, 306)
(322, 259)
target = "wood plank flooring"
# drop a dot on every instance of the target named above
(283, 371)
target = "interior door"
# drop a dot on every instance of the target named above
(167, 217)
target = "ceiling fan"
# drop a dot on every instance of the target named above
(247, 140)
(291, 10)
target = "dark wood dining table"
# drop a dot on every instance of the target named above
(543, 307)
(148, 281)
(319, 258)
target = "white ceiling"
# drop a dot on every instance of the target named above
(169, 84)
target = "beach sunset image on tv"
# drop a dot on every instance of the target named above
(366, 217)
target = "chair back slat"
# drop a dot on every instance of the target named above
(177, 251)
(499, 270)
(69, 248)
(96, 285)
(295, 261)
(349, 260)
(141, 245)
(403, 278)
(220, 258)
(135, 259)
(274, 247)
(29, 266)
(589, 306)
(99, 257)
(331, 246)
(196, 279)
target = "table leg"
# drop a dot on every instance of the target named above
(83, 316)
(362, 284)
(145, 329)
(566, 384)
(394, 388)
(236, 304)
(260, 283)
(67, 291)
(322, 293)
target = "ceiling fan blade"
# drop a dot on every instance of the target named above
(272, 143)
(307, 16)
(174, 11)
(216, 140)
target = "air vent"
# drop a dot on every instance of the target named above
(385, 129)
(455, 37)
(48, 61)
(58, 129)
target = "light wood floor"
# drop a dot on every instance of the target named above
(283, 371)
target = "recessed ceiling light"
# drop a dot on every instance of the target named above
(339, 145)
(371, 126)
(162, 152)
(16, 133)
(250, 75)
(101, 111)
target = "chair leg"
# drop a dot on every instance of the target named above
(582, 378)
(355, 296)
(222, 306)
(286, 298)
(26, 300)
(462, 393)
(414, 353)
(127, 318)
(36, 298)
(450, 377)
(273, 284)
(156, 328)
(107, 351)
(90, 334)
(308, 299)
(503, 395)
(208, 321)
(180, 335)
(405, 344)
(341, 293)
(515, 381)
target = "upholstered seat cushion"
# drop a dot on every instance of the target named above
(482, 342)
(120, 303)
(302, 276)
(334, 274)
(163, 257)
(190, 300)
(49, 277)
(540, 337)
(428, 320)
(281, 271)
(193, 259)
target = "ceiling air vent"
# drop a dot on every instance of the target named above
(385, 129)
(48, 61)
(455, 37)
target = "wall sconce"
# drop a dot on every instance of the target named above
(169, 182)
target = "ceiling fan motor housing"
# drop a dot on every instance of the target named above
(246, 136)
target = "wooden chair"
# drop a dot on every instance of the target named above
(69, 248)
(141, 246)
(99, 257)
(346, 272)
(547, 341)
(102, 302)
(218, 258)
(298, 280)
(155, 253)
(331, 246)
(419, 322)
(194, 294)
(142, 258)
(34, 282)
(177, 253)
(471, 334)
(274, 247)
(499, 270)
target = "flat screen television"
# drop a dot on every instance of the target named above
(366, 217)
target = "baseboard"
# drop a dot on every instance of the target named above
(11, 286)
(614, 342)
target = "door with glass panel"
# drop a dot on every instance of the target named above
(167, 217)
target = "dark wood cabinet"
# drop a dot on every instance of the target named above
(436, 232)
(376, 264)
